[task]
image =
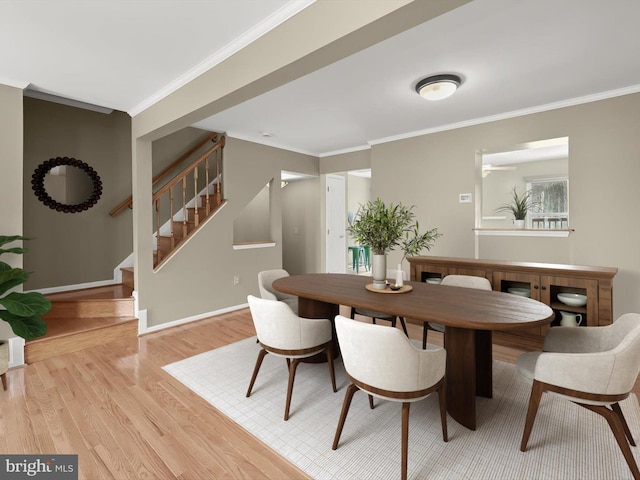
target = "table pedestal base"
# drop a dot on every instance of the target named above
(308, 308)
(470, 349)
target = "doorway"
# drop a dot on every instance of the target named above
(336, 241)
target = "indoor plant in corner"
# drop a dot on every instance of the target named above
(519, 206)
(21, 311)
(384, 227)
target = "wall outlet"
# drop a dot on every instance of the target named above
(464, 198)
(236, 279)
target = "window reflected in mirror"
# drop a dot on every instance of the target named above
(537, 170)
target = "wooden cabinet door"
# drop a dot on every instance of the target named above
(502, 281)
(429, 271)
(551, 286)
(474, 272)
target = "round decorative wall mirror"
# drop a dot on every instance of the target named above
(66, 185)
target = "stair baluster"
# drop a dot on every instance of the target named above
(173, 238)
(207, 206)
(196, 211)
(158, 250)
(193, 218)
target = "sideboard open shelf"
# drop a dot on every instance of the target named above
(544, 280)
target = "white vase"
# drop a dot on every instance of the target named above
(518, 224)
(399, 276)
(379, 271)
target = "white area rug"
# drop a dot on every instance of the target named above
(568, 442)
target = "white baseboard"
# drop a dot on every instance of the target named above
(16, 351)
(78, 286)
(183, 321)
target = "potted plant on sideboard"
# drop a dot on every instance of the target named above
(22, 311)
(384, 227)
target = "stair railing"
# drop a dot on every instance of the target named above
(193, 183)
(128, 202)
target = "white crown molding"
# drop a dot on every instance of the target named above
(452, 126)
(13, 83)
(345, 150)
(269, 143)
(66, 101)
(268, 24)
(516, 113)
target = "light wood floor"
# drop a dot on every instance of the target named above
(127, 419)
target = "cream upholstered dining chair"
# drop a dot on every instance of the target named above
(284, 334)
(379, 315)
(467, 281)
(266, 278)
(383, 362)
(594, 367)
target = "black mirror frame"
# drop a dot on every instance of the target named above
(37, 184)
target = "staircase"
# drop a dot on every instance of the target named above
(82, 319)
(180, 230)
(182, 203)
(91, 317)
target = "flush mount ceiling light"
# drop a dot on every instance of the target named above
(438, 87)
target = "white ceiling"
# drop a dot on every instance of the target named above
(514, 57)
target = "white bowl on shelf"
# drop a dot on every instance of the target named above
(573, 299)
(523, 292)
(434, 281)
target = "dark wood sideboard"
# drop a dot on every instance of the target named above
(545, 280)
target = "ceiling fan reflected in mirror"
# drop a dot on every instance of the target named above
(487, 168)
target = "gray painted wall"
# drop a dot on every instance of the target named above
(11, 177)
(75, 248)
(254, 222)
(604, 146)
(199, 279)
(301, 226)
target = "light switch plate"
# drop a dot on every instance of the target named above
(465, 198)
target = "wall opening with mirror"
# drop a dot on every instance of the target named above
(539, 170)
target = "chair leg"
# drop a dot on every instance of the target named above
(371, 402)
(292, 374)
(616, 408)
(4, 382)
(534, 403)
(442, 397)
(404, 326)
(348, 396)
(332, 373)
(612, 418)
(353, 313)
(405, 439)
(425, 329)
(261, 356)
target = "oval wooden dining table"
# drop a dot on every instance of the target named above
(469, 317)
